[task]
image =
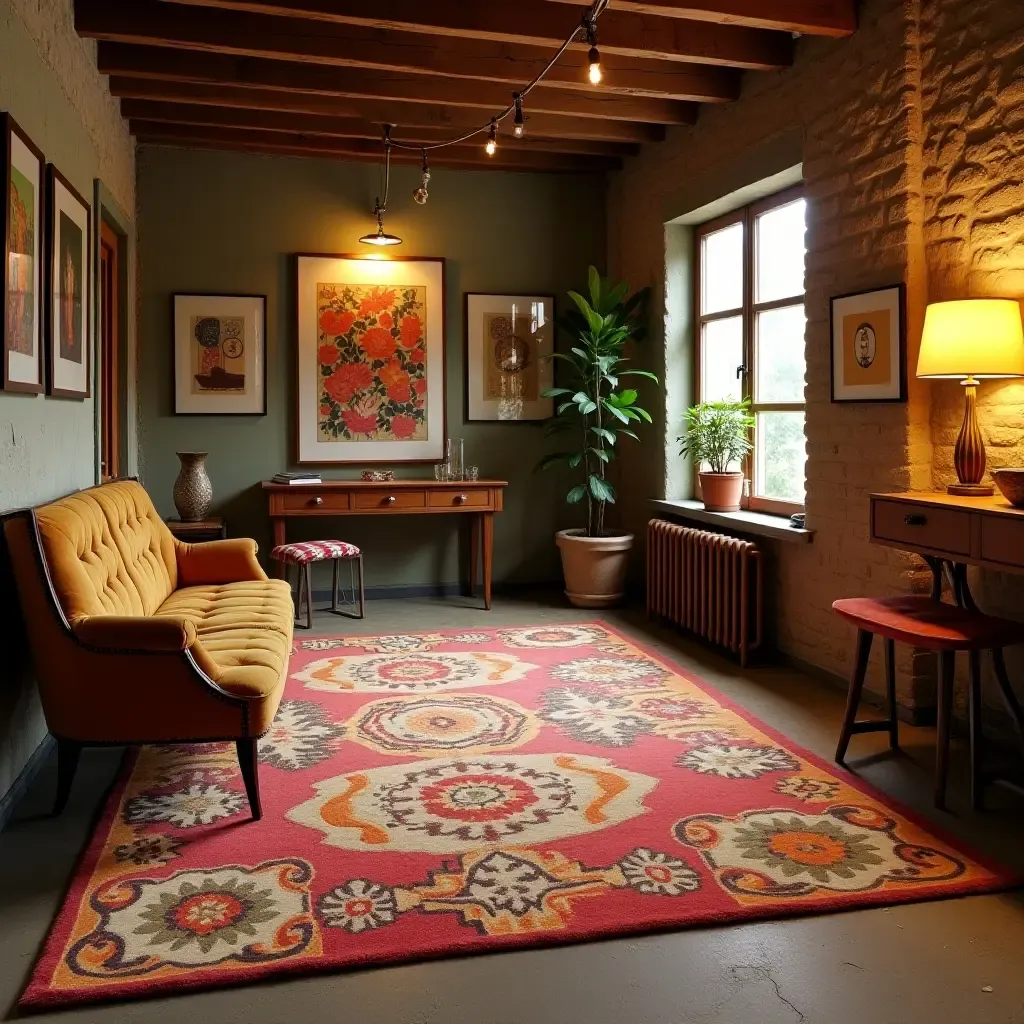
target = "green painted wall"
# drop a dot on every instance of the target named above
(226, 222)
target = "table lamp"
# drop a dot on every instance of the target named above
(972, 339)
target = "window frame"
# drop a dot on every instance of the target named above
(748, 311)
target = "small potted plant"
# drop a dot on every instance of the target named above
(596, 413)
(717, 435)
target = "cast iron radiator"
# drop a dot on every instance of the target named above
(707, 583)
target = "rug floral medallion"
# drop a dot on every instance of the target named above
(448, 793)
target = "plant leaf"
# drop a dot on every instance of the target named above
(601, 489)
(550, 460)
(576, 495)
(605, 433)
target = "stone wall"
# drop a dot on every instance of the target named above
(910, 136)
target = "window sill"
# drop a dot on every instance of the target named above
(744, 521)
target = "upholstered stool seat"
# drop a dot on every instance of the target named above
(304, 554)
(932, 625)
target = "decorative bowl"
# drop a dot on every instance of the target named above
(378, 475)
(1011, 484)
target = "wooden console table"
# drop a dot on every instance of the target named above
(478, 498)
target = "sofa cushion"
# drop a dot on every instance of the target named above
(108, 552)
(244, 628)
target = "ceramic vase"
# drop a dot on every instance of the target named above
(193, 492)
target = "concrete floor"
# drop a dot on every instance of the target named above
(959, 961)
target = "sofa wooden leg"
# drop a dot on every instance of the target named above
(68, 753)
(248, 761)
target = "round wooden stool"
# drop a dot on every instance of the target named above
(304, 554)
(934, 626)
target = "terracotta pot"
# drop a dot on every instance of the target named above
(193, 492)
(721, 491)
(594, 567)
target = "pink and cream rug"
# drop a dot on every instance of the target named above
(452, 793)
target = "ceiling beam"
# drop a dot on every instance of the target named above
(434, 122)
(592, 108)
(506, 159)
(342, 127)
(809, 17)
(534, 21)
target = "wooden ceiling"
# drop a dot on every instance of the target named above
(321, 77)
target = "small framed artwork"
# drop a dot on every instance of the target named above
(509, 341)
(68, 245)
(371, 374)
(21, 330)
(869, 346)
(220, 355)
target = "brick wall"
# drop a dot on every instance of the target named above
(913, 151)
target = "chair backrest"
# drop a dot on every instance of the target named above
(108, 552)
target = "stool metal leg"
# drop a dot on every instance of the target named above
(334, 587)
(890, 690)
(947, 675)
(860, 671)
(305, 584)
(974, 722)
(336, 606)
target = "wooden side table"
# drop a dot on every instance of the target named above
(214, 528)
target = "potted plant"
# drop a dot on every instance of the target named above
(596, 412)
(717, 435)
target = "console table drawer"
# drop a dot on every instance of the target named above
(383, 499)
(922, 526)
(1002, 541)
(312, 504)
(479, 498)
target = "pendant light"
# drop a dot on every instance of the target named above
(381, 237)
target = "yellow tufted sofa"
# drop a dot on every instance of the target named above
(139, 638)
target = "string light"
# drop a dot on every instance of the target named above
(594, 56)
(520, 123)
(421, 195)
(492, 138)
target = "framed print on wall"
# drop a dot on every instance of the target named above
(371, 375)
(220, 355)
(21, 330)
(68, 247)
(869, 346)
(509, 339)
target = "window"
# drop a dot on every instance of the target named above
(751, 325)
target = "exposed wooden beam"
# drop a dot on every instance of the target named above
(424, 119)
(533, 21)
(341, 127)
(506, 159)
(166, 25)
(592, 109)
(810, 17)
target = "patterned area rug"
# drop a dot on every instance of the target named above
(453, 793)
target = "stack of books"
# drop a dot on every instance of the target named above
(303, 477)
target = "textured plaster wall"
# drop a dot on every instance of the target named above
(231, 223)
(910, 136)
(49, 83)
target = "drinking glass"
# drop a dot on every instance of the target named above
(472, 473)
(441, 472)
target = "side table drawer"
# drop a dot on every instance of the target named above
(922, 526)
(383, 500)
(479, 498)
(311, 504)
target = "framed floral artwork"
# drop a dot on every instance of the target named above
(371, 377)
(509, 341)
(21, 329)
(68, 246)
(220, 355)
(869, 346)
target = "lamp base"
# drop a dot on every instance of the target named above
(971, 490)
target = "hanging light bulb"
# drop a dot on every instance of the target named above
(594, 72)
(421, 195)
(380, 236)
(492, 138)
(520, 123)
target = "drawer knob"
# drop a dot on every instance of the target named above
(390, 500)
(318, 501)
(915, 519)
(461, 499)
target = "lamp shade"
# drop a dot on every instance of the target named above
(972, 338)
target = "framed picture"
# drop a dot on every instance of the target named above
(220, 355)
(22, 223)
(869, 346)
(68, 248)
(507, 340)
(371, 376)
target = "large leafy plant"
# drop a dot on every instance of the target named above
(717, 434)
(594, 407)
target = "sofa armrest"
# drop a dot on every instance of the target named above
(218, 561)
(142, 633)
